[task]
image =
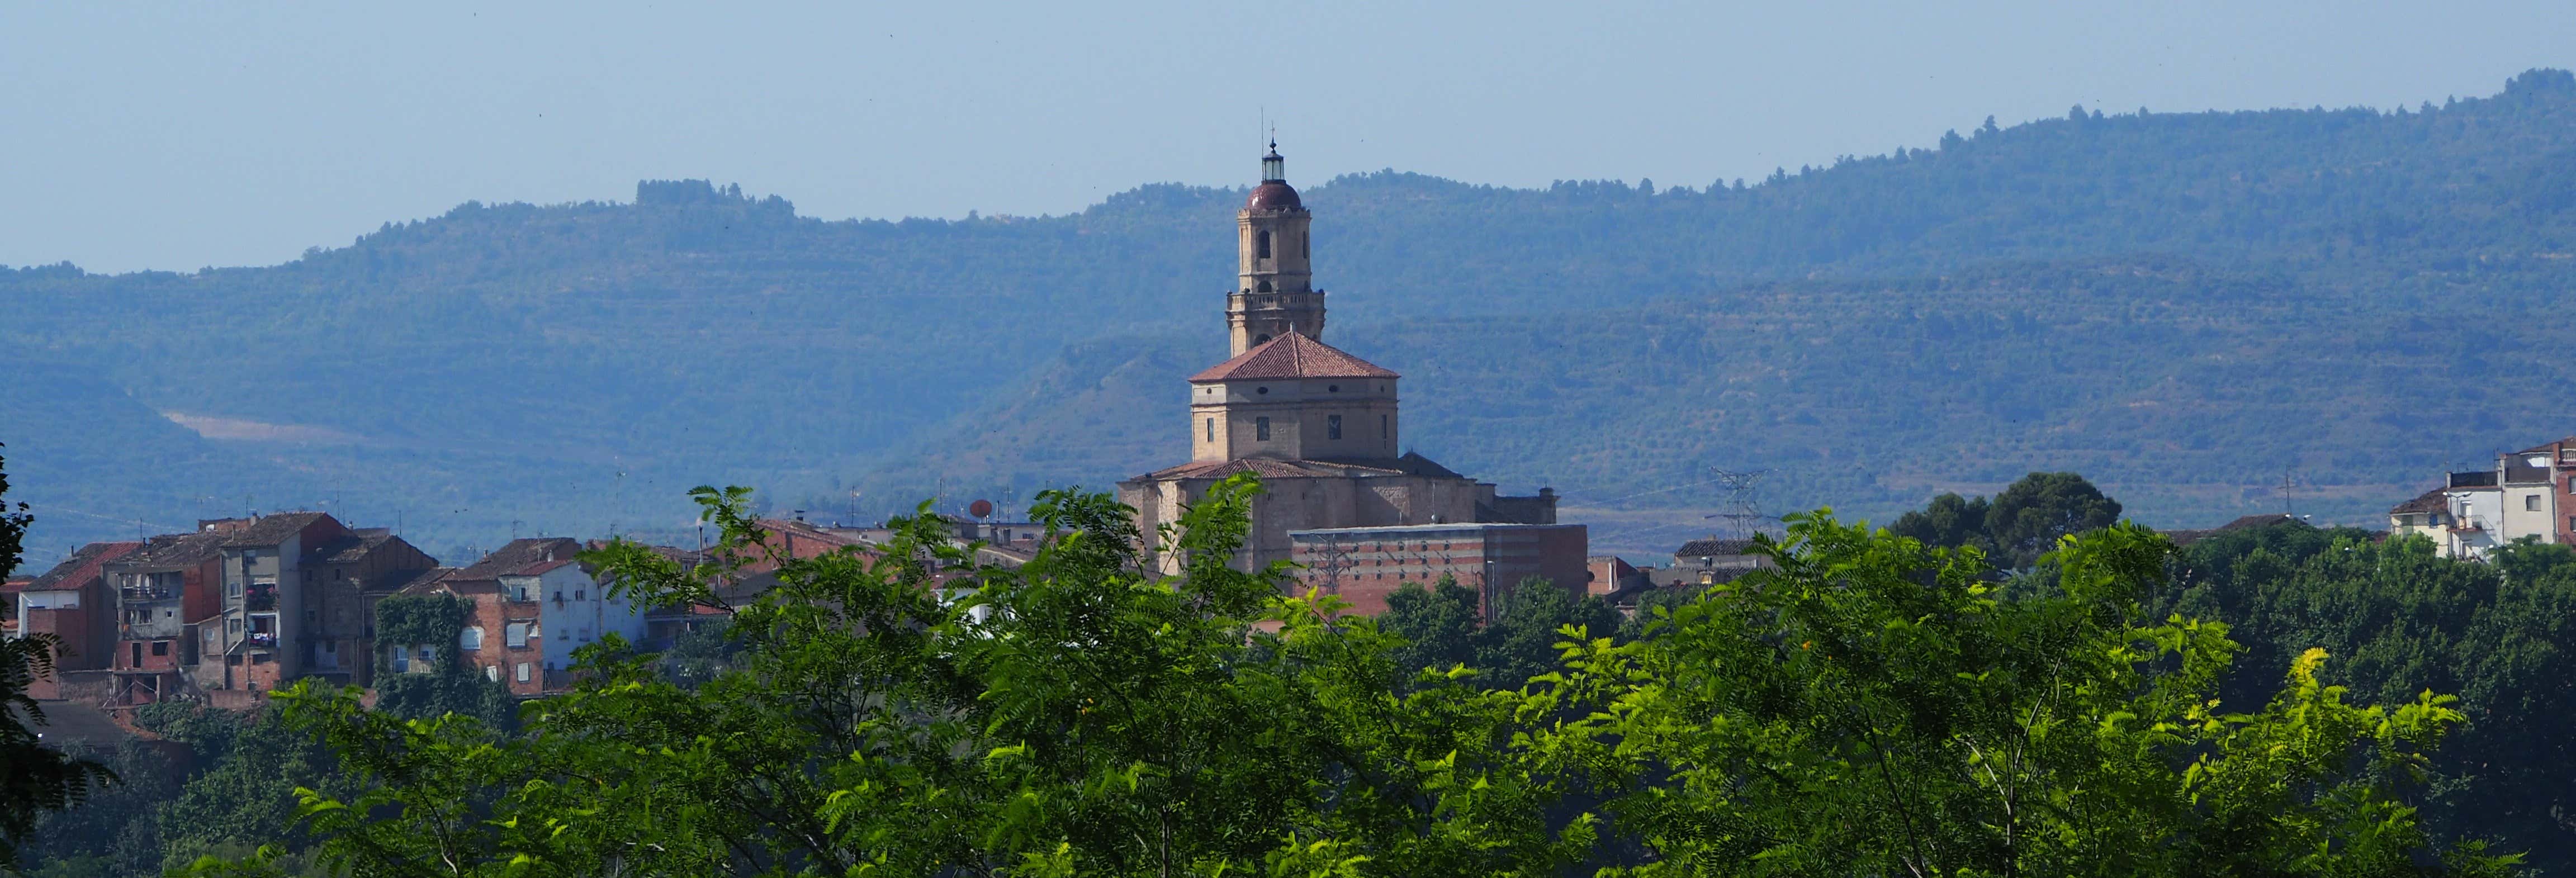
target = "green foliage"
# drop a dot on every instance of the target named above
(2409, 621)
(116, 831)
(1872, 708)
(2024, 521)
(243, 792)
(1079, 715)
(34, 779)
(1444, 627)
(420, 620)
(451, 685)
(1439, 625)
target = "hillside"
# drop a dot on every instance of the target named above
(576, 366)
(2188, 392)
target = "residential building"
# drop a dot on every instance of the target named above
(2427, 516)
(298, 593)
(72, 603)
(1363, 565)
(164, 592)
(531, 604)
(346, 578)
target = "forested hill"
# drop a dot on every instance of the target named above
(573, 366)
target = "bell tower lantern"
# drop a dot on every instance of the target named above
(1274, 290)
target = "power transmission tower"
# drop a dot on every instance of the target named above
(1743, 506)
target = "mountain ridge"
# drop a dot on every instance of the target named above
(565, 355)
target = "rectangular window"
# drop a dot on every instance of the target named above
(580, 594)
(1211, 436)
(1332, 426)
(160, 647)
(2531, 503)
(470, 638)
(492, 673)
(523, 672)
(402, 661)
(1261, 429)
(515, 634)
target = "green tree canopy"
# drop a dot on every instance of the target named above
(2022, 522)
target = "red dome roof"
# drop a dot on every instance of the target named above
(1273, 195)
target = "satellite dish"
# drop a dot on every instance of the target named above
(980, 508)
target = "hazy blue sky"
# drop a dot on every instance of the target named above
(180, 135)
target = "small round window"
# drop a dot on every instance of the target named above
(1261, 390)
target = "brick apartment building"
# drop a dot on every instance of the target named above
(531, 604)
(164, 593)
(72, 603)
(1363, 565)
(239, 607)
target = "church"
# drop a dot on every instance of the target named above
(1322, 430)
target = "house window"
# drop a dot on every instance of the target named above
(523, 672)
(2531, 503)
(492, 673)
(402, 661)
(160, 647)
(580, 594)
(470, 638)
(1261, 245)
(515, 634)
(1261, 429)
(137, 650)
(1332, 426)
(424, 656)
(1211, 429)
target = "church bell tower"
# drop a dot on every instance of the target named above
(1274, 290)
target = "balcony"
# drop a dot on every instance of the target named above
(260, 597)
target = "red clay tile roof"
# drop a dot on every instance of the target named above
(1291, 356)
(84, 565)
(541, 568)
(174, 552)
(519, 555)
(1268, 468)
(271, 530)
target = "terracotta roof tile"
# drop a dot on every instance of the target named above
(274, 529)
(174, 552)
(519, 555)
(1292, 356)
(84, 565)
